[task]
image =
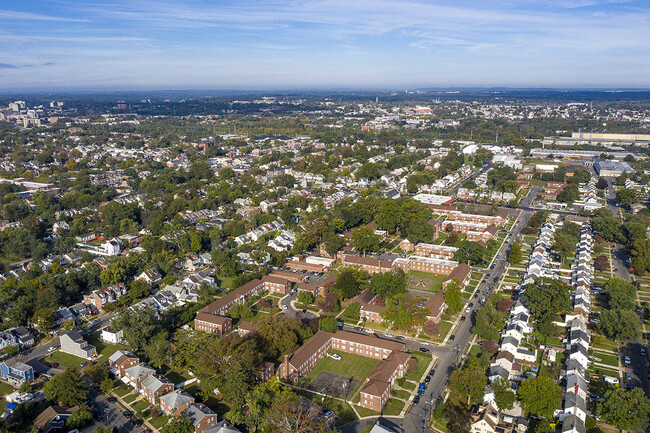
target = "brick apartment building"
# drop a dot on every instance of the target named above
(376, 391)
(221, 306)
(425, 264)
(462, 273)
(368, 264)
(444, 252)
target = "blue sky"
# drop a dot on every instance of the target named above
(268, 44)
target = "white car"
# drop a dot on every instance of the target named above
(284, 307)
(389, 335)
(424, 343)
(334, 356)
(369, 331)
(52, 348)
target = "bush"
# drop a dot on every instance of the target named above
(305, 297)
(601, 263)
(352, 311)
(504, 304)
(431, 328)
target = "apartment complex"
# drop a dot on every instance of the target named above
(376, 391)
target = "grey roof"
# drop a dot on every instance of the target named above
(154, 381)
(137, 371)
(115, 356)
(573, 424)
(197, 411)
(176, 398)
(222, 427)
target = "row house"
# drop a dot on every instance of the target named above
(368, 264)
(106, 295)
(444, 252)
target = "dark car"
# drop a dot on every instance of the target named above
(127, 413)
(452, 338)
(111, 399)
(416, 400)
(137, 421)
(424, 349)
(427, 379)
(431, 372)
(462, 319)
(400, 337)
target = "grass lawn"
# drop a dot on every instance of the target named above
(405, 384)
(105, 350)
(423, 363)
(5, 388)
(434, 280)
(130, 398)
(601, 342)
(399, 393)
(226, 282)
(356, 366)
(217, 405)
(65, 360)
(159, 422)
(140, 405)
(392, 407)
(607, 359)
(176, 377)
(122, 390)
(193, 389)
(444, 330)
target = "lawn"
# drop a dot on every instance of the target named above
(105, 350)
(5, 388)
(140, 405)
(393, 407)
(122, 390)
(350, 365)
(130, 398)
(607, 359)
(403, 383)
(65, 360)
(444, 330)
(434, 280)
(176, 377)
(159, 422)
(400, 393)
(423, 364)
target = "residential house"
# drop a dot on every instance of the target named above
(16, 372)
(112, 336)
(201, 416)
(155, 385)
(175, 402)
(73, 343)
(122, 360)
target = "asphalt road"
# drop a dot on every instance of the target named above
(111, 414)
(448, 356)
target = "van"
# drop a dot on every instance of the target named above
(610, 379)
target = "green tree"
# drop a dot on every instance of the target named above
(403, 312)
(453, 297)
(503, 395)
(278, 334)
(333, 242)
(625, 410)
(182, 424)
(626, 197)
(419, 230)
(138, 289)
(328, 323)
(634, 231)
(66, 389)
(515, 254)
(365, 240)
(235, 385)
(620, 324)
(388, 217)
(466, 385)
(346, 284)
(258, 404)
(139, 326)
(352, 311)
(641, 256)
(620, 293)
(540, 396)
(469, 252)
(545, 298)
(388, 284)
(44, 319)
(157, 350)
(79, 419)
(305, 297)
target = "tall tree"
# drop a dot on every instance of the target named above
(66, 389)
(466, 385)
(540, 396)
(625, 410)
(545, 298)
(453, 297)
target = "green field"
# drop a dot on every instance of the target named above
(607, 359)
(423, 364)
(392, 408)
(350, 365)
(399, 393)
(65, 360)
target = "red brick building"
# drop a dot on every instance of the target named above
(219, 325)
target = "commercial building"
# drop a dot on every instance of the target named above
(608, 168)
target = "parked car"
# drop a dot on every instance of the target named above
(127, 413)
(642, 351)
(54, 364)
(416, 400)
(111, 399)
(431, 372)
(400, 337)
(627, 361)
(427, 379)
(334, 356)
(52, 348)
(424, 349)
(369, 331)
(628, 376)
(462, 319)
(452, 338)
(388, 335)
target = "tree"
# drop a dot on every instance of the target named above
(388, 284)
(431, 328)
(182, 424)
(44, 319)
(236, 383)
(601, 263)
(258, 404)
(602, 183)
(79, 419)
(278, 334)
(138, 289)
(458, 419)
(504, 304)
(66, 389)
(503, 395)
(625, 410)
(545, 298)
(453, 297)
(346, 284)
(621, 294)
(607, 225)
(305, 297)
(102, 429)
(138, 326)
(515, 254)
(641, 256)
(619, 324)
(333, 242)
(403, 312)
(626, 197)
(365, 240)
(352, 311)
(490, 347)
(388, 217)
(466, 385)
(328, 324)
(469, 252)
(419, 230)
(540, 396)
(157, 350)
(634, 231)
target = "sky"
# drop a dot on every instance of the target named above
(67, 45)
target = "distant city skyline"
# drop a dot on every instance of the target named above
(65, 45)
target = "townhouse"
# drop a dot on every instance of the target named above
(106, 295)
(444, 252)
(73, 343)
